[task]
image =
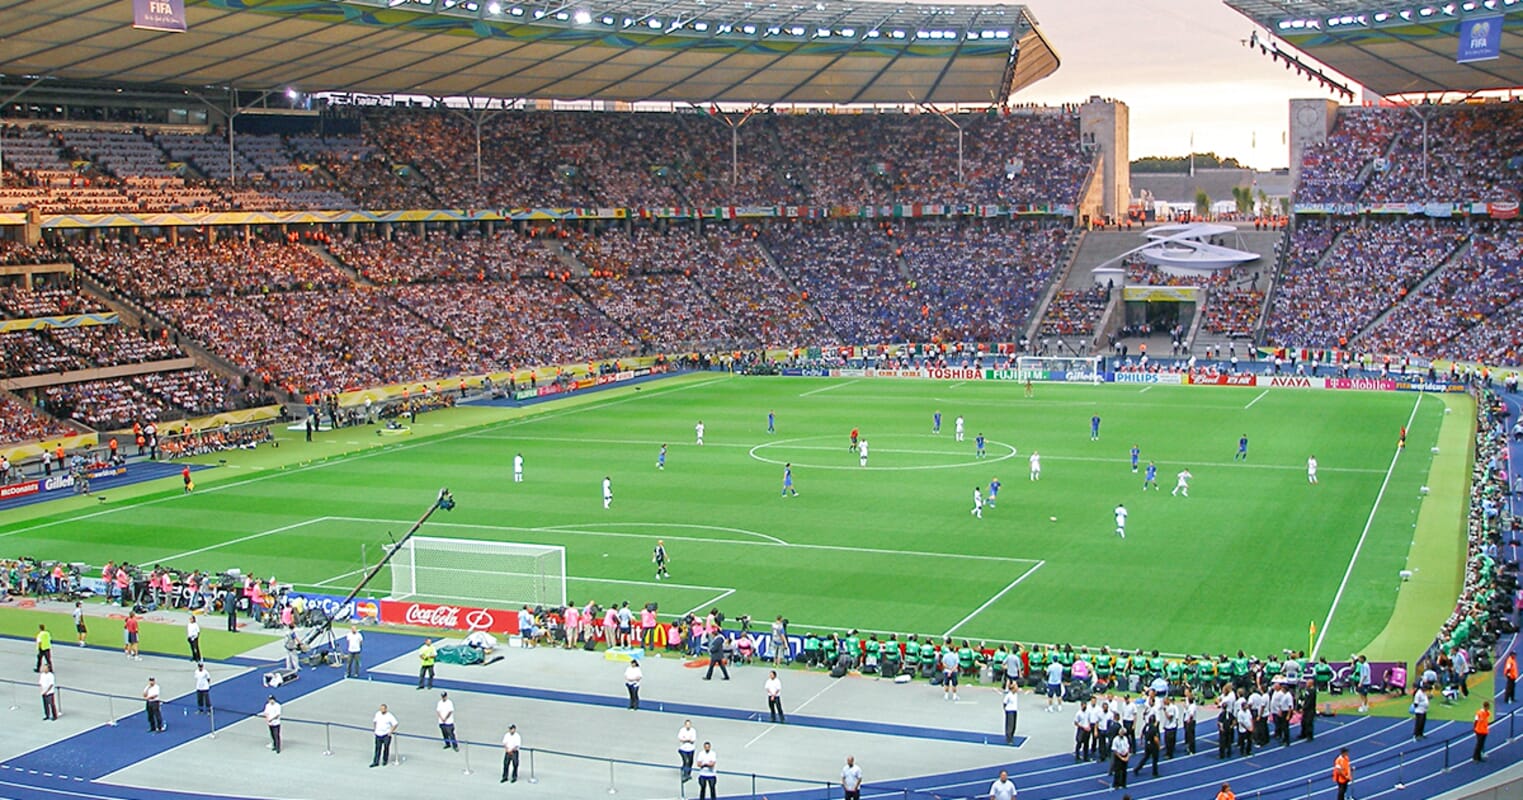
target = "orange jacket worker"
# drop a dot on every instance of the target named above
(1343, 773)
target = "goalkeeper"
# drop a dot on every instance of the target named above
(658, 556)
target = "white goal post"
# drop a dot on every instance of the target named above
(479, 572)
(1073, 369)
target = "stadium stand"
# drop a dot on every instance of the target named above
(1336, 171)
(1326, 300)
(1434, 320)
(20, 422)
(1469, 149)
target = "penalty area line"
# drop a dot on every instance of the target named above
(1001, 593)
(1256, 399)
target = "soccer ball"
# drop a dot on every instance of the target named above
(1052, 519)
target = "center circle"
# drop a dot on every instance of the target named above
(757, 453)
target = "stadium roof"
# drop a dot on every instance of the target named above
(748, 51)
(1400, 48)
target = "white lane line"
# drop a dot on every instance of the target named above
(827, 388)
(1255, 400)
(815, 697)
(991, 601)
(1147, 388)
(1343, 584)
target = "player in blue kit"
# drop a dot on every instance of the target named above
(1094, 428)
(936, 422)
(1136, 453)
(993, 491)
(788, 481)
(1242, 449)
(771, 423)
(661, 458)
(1151, 478)
(979, 443)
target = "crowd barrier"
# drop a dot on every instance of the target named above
(354, 743)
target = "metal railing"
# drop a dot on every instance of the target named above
(352, 741)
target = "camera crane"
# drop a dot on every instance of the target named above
(446, 501)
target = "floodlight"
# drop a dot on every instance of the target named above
(748, 29)
(494, 9)
(848, 32)
(654, 24)
(700, 26)
(583, 18)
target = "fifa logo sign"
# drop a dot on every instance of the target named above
(1479, 33)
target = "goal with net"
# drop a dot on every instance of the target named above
(1073, 369)
(475, 571)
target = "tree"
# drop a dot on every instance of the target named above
(1285, 206)
(1175, 164)
(1243, 196)
(1202, 203)
(1263, 202)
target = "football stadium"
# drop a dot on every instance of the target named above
(694, 398)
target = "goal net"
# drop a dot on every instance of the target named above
(1073, 369)
(474, 571)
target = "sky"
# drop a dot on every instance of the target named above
(1180, 67)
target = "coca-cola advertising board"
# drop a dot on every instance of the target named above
(458, 618)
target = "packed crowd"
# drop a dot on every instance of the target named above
(1437, 318)
(982, 282)
(14, 252)
(851, 274)
(765, 311)
(1336, 170)
(442, 257)
(21, 302)
(427, 159)
(20, 422)
(524, 322)
(1326, 299)
(190, 268)
(117, 402)
(1233, 312)
(1472, 155)
(820, 159)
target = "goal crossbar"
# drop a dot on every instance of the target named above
(493, 573)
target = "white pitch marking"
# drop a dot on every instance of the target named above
(1343, 584)
(827, 388)
(1256, 399)
(1023, 576)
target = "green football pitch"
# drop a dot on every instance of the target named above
(1250, 559)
